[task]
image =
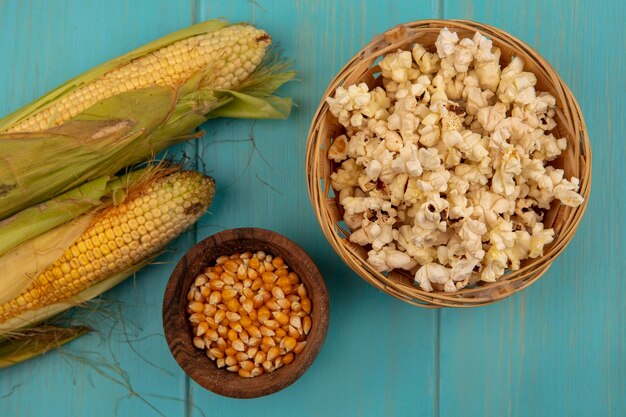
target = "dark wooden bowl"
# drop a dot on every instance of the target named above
(178, 330)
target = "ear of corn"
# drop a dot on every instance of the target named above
(15, 327)
(36, 342)
(36, 237)
(118, 239)
(102, 141)
(19, 116)
(33, 221)
(128, 127)
(22, 264)
(224, 55)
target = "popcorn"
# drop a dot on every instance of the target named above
(566, 191)
(503, 181)
(443, 170)
(427, 63)
(432, 273)
(338, 149)
(539, 238)
(346, 176)
(397, 66)
(491, 116)
(516, 85)
(446, 43)
(388, 259)
(487, 63)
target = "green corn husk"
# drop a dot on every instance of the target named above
(36, 342)
(28, 331)
(38, 219)
(32, 319)
(28, 336)
(124, 129)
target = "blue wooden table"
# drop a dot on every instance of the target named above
(557, 349)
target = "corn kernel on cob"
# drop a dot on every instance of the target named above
(120, 238)
(226, 57)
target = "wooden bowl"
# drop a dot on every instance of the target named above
(178, 331)
(575, 161)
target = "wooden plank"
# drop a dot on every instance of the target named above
(558, 348)
(380, 354)
(43, 44)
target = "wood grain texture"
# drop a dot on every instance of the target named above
(178, 331)
(50, 42)
(556, 349)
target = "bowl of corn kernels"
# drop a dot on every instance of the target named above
(245, 312)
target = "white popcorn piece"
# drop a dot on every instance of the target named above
(396, 66)
(489, 207)
(429, 135)
(495, 265)
(431, 273)
(428, 63)
(377, 106)
(373, 169)
(471, 173)
(446, 42)
(393, 141)
(413, 195)
(445, 167)
(502, 235)
(432, 214)
(464, 54)
(520, 249)
(532, 169)
(525, 213)
(419, 90)
(429, 159)
(487, 63)
(491, 116)
(355, 97)
(388, 259)
(503, 181)
(383, 237)
(359, 143)
(434, 181)
(516, 85)
(397, 188)
(405, 240)
(438, 96)
(338, 149)
(346, 176)
(463, 269)
(549, 147)
(476, 99)
(540, 237)
(566, 191)
(361, 204)
(472, 232)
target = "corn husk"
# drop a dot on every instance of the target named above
(38, 166)
(36, 342)
(92, 74)
(26, 320)
(34, 221)
(103, 242)
(123, 129)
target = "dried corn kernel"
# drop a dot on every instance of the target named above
(249, 313)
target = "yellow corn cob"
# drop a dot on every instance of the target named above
(121, 237)
(226, 56)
